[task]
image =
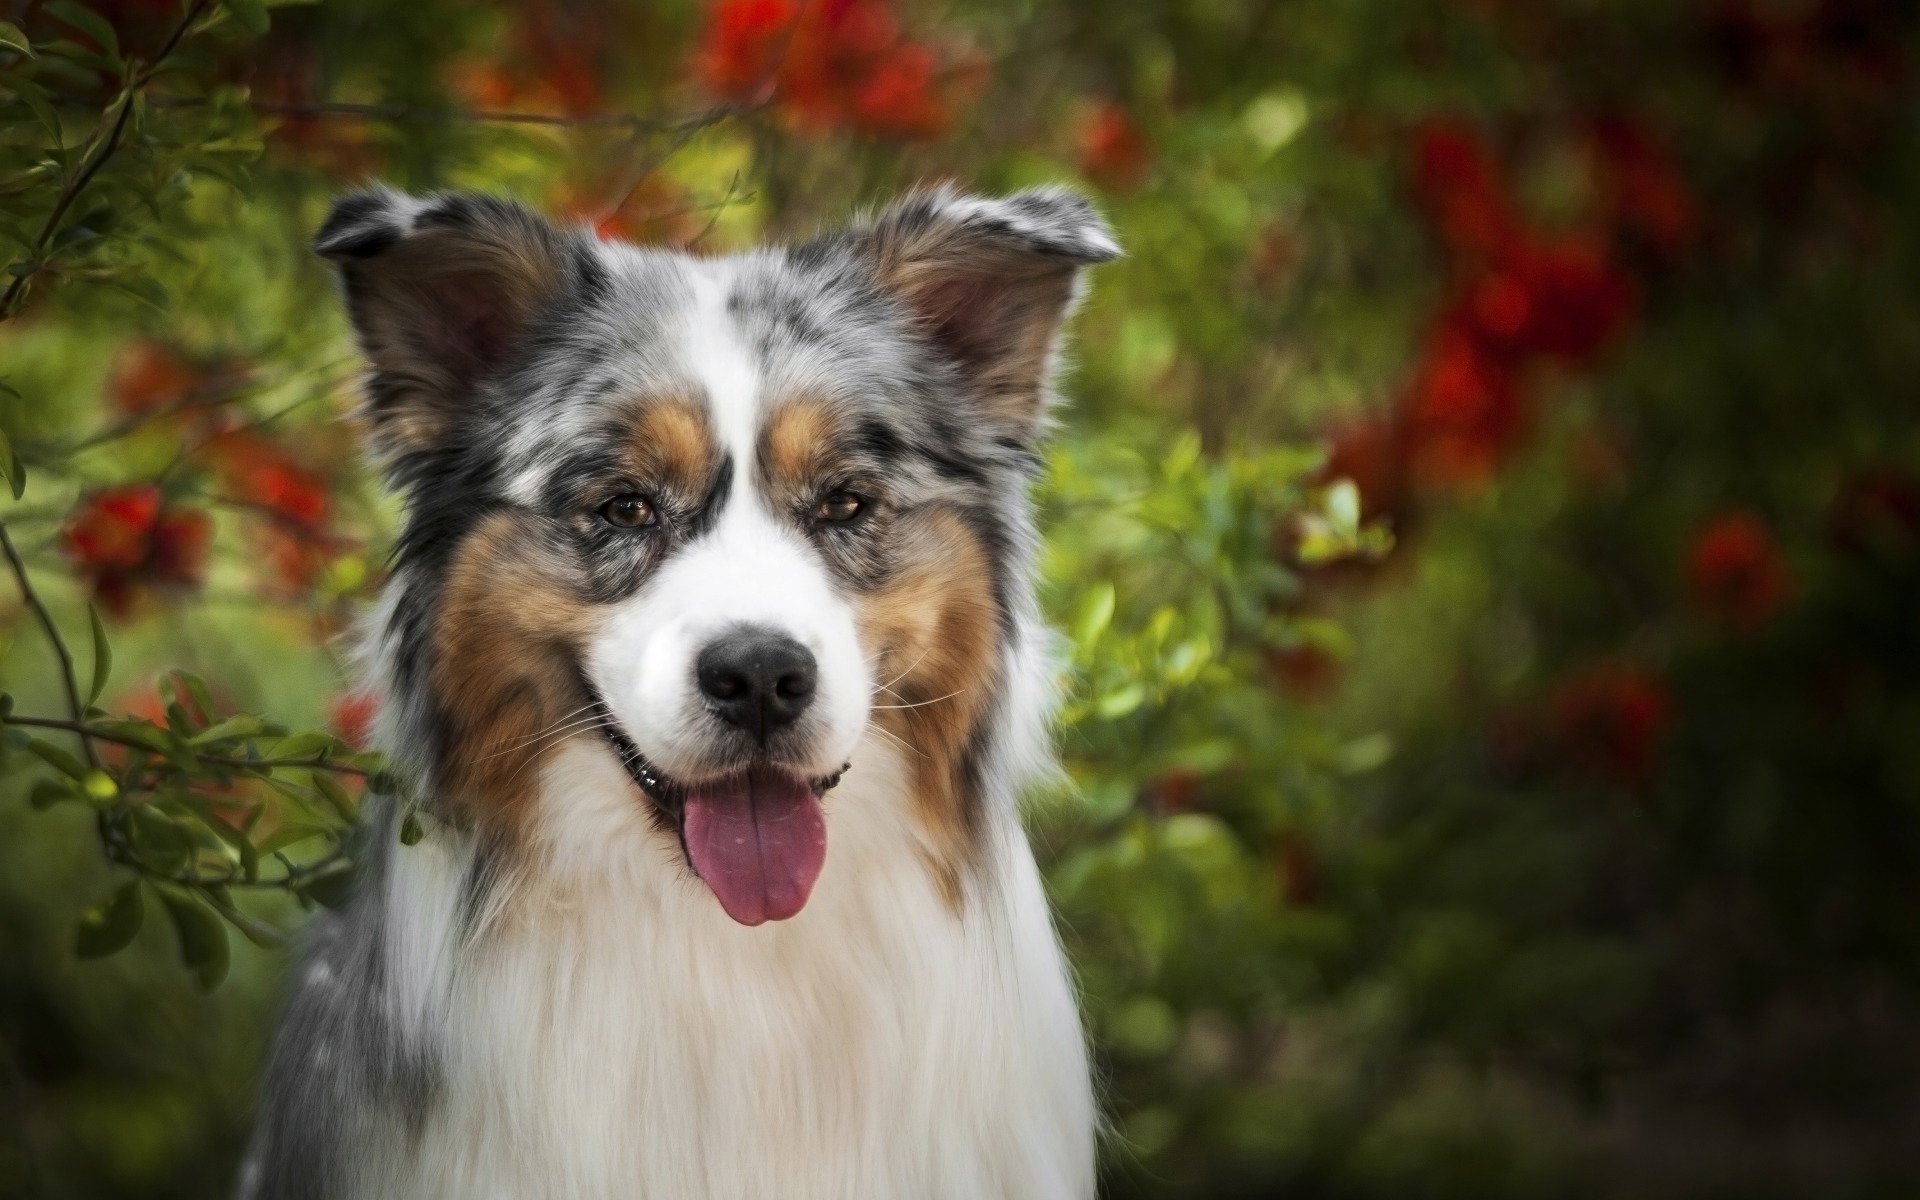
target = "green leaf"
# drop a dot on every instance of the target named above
(109, 925)
(241, 844)
(196, 690)
(11, 467)
(251, 14)
(88, 22)
(332, 885)
(411, 830)
(35, 98)
(102, 655)
(255, 930)
(48, 792)
(100, 788)
(292, 833)
(58, 759)
(203, 935)
(162, 845)
(13, 39)
(1096, 612)
(302, 745)
(335, 795)
(241, 726)
(142, 287)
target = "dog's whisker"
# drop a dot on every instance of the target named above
(902, 675)
(896, 740)
(920, 704)
(597, 723)
(569, 723)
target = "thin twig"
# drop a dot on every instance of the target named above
(406, 112)
(97, 158)
(45, 618)
(89, 731)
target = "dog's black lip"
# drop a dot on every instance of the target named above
(668, 794)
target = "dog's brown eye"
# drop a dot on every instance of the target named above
(840, 506)
(629, 512)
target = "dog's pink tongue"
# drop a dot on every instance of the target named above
(758, 840)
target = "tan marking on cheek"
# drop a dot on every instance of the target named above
(935, 634)
(507, 636)
(794, 444)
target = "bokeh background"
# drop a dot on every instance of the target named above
(1484, 531)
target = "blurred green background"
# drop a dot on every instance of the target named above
(1484, 527)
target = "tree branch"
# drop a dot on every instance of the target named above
(88, 731)
(45, 618)
(98, 156)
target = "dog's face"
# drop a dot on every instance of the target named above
(726, 515)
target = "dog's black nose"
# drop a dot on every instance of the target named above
(757, 679)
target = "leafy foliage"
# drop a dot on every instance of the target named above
(1513, 797)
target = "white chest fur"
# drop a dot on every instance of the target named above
(611, 1033)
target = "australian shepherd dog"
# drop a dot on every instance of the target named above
(711, 659)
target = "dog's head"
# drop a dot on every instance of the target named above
(726, 514)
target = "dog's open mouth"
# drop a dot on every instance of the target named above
(757, 837)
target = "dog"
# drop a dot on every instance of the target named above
(711, 658)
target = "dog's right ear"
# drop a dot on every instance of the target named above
(440, 290)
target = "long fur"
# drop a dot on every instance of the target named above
(541, 998)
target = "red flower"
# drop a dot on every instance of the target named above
(897, 99)
(1463, 190)
(295, 500)
(122, 539)
(1373, 454)
(1297, 869)
(830, 64)
(560, 45)
(1611, 719)
(1876, 513)
(1112, 152)
(1647, 193)
(743, 45)
(1176, 791)
(351, 717)
(148, 377)
(1564, 299)
(1580, 299)
(1737, 573)
(1464, 413)
(1308, 672)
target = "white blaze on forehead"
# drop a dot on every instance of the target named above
(749, 569)
(724, 368)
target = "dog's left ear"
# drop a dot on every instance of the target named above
(989, 282)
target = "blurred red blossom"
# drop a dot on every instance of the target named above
(1372, 452)
(1464, 412)
(559, 42)
(1517, 297)
(1306, 671)
(296, 502)
(148, 377)
(1610, 719)
(1462, 189)
(1644, 191)
(827, 65)
(1176, 791)
(1736, 571)
(351, 715)
(1564, 299)
(123, 539)
(1297, 869)
(1876, 512)
(1112, 151)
